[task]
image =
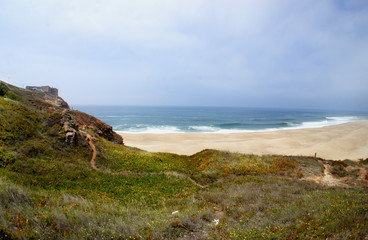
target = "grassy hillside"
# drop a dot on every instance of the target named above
(49, 189)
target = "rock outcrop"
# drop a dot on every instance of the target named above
(85, 121)
(53, 100)
(70, 138)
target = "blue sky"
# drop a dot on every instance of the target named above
(264, 53)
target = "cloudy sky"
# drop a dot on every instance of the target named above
(249, 53)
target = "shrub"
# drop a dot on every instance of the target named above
(35, 148)
(17, 122)
(339, 171)
(6, 158)
(12, 96)
(2, 90)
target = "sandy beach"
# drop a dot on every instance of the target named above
(338, 142)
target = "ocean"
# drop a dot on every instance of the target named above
(133, 119)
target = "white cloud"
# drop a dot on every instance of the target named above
(262, 47)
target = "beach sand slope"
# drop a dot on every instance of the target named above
(338, 142)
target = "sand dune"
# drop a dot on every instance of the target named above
(345, 141)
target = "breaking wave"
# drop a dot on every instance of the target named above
(234, 127)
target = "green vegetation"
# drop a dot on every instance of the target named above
(48, 189)
(8, 94)
(3, 91)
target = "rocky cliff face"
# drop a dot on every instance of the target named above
(56, 101)
(84, 121)
(49, 99)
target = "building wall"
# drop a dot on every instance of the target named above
(54, 91)
(46, 89)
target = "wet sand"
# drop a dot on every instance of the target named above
(339, 142)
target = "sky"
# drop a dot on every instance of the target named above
(239, 53)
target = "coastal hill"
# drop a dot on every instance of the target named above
(48, 104)
(67, 175)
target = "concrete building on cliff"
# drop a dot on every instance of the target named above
(46, 89)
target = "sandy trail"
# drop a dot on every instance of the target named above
(339, 142)
(93, 147)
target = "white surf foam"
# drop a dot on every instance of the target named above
(152, 129)
(329, 121)
(204, 128)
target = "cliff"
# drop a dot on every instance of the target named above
(44, 105)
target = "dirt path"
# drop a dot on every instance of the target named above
(362, 172)
(328, 179)
(125, 173)
(92, 145)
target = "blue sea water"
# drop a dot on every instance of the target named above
(134, 119)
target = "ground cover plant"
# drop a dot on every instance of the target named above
(48, 189)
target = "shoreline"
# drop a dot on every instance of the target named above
(335, 142)
(304, 125)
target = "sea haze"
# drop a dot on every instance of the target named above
(132, 119)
